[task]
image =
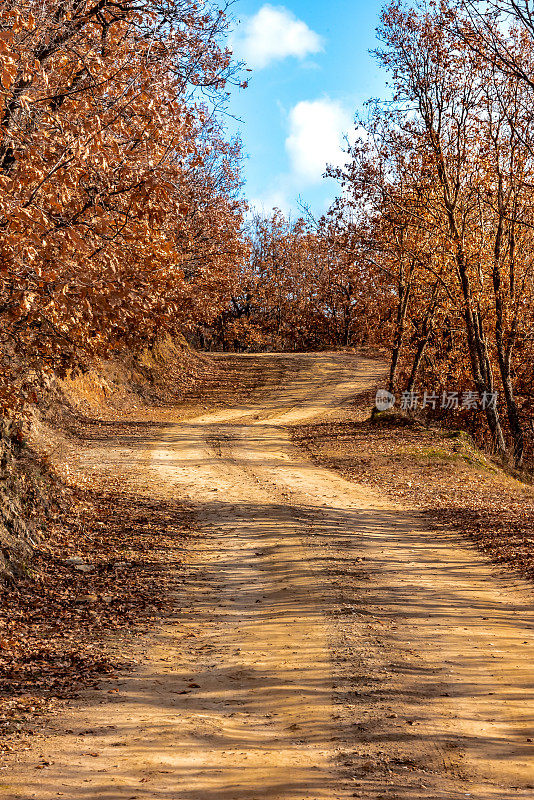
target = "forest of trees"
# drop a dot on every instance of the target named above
(121, 210)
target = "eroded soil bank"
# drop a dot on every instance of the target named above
(322, 641)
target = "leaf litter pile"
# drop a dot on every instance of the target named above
(103, 569)
(439, 472)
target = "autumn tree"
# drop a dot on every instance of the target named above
(118, 198)
(458, 116)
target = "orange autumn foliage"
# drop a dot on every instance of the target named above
(119, 215)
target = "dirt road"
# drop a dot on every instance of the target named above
(325, 645)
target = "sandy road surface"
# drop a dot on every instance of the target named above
(324, 646)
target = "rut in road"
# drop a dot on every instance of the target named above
(325, 644)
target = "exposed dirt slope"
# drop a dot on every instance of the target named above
(162, 375)
(325, 644)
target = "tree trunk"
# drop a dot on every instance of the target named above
(504, 355)
(402, 308)
(426, 331)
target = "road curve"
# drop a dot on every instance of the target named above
(330, 646)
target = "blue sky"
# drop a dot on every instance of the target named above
(311, 72)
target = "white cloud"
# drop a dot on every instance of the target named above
(316, 138)
(317, 134)
(274, 33)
